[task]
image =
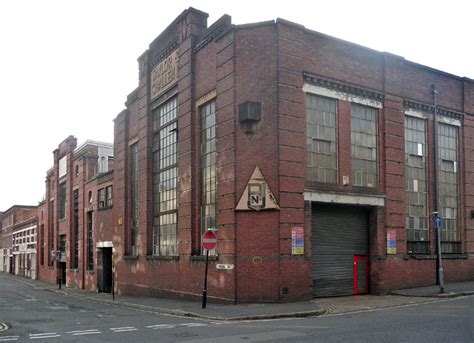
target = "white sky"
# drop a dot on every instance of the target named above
(67, 66)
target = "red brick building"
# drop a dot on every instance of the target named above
(18, 240)
(344, 140)
(75, 219)
(318, 162)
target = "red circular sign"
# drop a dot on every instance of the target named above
(209, 240)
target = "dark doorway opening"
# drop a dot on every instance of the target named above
(63, 272)
(104, 269)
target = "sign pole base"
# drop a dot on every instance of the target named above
(204, 291)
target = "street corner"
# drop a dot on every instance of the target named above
(3, 327)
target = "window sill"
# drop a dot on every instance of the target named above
(162, 258)
(89, 271)
(447, 256)
(130, 257)
(420, 257)
(104, 208)
(197, 258)
(444, 256)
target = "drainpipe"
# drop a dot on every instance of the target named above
(437, 217)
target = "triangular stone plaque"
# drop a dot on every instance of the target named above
(257, 195)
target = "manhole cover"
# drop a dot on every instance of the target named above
(3, 327)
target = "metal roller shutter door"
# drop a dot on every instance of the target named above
(338, 234)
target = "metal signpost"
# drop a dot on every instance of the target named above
(438, 223)
(209, 241)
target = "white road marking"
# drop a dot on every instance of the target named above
(221, 323)
(8, 338)
(84, 332)
(44, 335)
(161, 326)
(190, 325)
(124, 329)
(87, 333)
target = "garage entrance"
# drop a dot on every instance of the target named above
(340, 249)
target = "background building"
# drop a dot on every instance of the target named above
(71, 225)
(17, 240)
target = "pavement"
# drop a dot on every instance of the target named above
(451, 290)
(260, 311)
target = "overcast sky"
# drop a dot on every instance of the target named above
(66, 67)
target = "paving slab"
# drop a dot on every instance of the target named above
(450, 290)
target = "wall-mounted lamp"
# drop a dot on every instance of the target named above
(250, 114)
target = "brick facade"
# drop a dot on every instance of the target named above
(88, 169)
(14, 219)
(270, 63)
(275, 64)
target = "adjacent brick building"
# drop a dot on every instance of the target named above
(74, 220)
(18, 240)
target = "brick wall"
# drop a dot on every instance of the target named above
(265, 62)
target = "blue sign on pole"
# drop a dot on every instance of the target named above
(438, 222)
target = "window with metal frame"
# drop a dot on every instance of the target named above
(76, 228)
(62, 200)
(448, 170)
(133, 198)
(321, 138)
(364, 146)
(41, 244)
(109, 196)
(101, 198)
(51, 212)
(208, 167)
(165, 178)
(416, 186)
(90, 242)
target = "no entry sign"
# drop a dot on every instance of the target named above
(209, 240)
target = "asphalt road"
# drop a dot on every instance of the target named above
(38, 315)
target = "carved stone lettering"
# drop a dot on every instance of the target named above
(164, 75)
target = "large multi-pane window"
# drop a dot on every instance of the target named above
(364, 145)
(321, 139)
(76, 228)
(448, 167)
(165, 176)
(101, 198)
(133, 197)
(109, 196)
(41, 245)
(105, 197)
(90, 242)
(62, 200)
(50, 232)
(208, 166)
(416, 185)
